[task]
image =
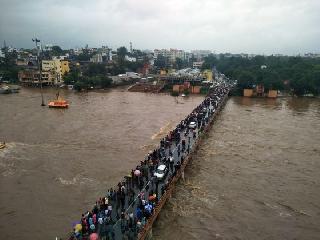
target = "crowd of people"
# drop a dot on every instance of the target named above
(124, 211)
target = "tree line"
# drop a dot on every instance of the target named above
(298, 75)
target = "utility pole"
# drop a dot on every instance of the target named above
(40, 72)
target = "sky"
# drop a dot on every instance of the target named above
(236, 26)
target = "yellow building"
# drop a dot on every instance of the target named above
(247, 92)
(208, 75)
(48, 65)
(272, 93)
(64, 67)
(163, 72)
(57, 67)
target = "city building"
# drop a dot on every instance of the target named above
(208, 75)
(1, 54)
(78, 51)
(47, 47)
(56, 67)
(197, 64)
(106, 53)
(21, 62)
(175, 53)
(130, 59)
(49, 65)
(11, 49)
(97, 58)
(171, 55)
(64, 67)
(61, 57)
(199, 55)
(31, 77)
(312, 55)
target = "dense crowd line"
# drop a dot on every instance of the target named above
(124, 211)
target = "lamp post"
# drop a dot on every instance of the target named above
(40, 72)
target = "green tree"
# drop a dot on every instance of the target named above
(96, 69)
(57, 51)
(209, 63)
(83, 57)
(8, 68)
(246, 79)
(121, 54)
(302, 73)
(80, 85)
(71, 77)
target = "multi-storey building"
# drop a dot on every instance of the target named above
(64, 67)
(171, 54)
(200, 54)
(31, 77)
(97, 58)
(57, 68)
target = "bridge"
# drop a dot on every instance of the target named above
(129, 210)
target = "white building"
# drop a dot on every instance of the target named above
(163, 52)
(47, 47)
(1, 54)
(97, 58)
(12, 49)
(171, 54)
(125, 77)
(130, 59)
(197, 64)
(200, 54)
(106, 53)
(60, 57)
(77, 51)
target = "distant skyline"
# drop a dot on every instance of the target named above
(238, 26)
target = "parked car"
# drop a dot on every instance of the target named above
(192, 125)
(161, 172)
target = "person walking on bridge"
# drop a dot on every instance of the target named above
(171, 160)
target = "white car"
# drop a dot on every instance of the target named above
(192, 125)
(161, 172)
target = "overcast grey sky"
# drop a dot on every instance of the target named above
(251, 26)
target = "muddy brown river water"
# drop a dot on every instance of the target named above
(256, 176)
(58, 162)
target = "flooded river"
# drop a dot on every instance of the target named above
(256, 176)
(58, 162)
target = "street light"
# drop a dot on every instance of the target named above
(40, 72)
